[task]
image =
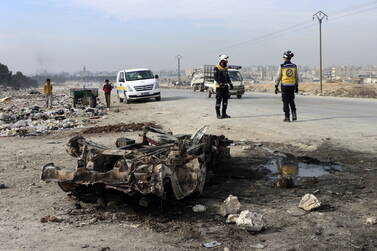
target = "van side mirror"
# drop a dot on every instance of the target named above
(156, 76)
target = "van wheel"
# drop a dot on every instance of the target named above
(239, 96)
(158, 98)
(127, 101)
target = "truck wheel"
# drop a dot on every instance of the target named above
(158, 98)
(194, 88)
(74, 103)
(239, 96)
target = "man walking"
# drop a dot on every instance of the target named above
(222, 84)
(287, 76)
(48, 93)
(107, 87)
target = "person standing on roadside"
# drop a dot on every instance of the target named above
(287, 76)
(107, 87)
(48, 93)
(222, 84)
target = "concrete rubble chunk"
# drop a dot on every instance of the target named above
(199, 208)
(371, 220)
(309, 202)
(231, 205)
(250, 221)
(232, 218)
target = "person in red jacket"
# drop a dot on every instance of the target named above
(107, 87)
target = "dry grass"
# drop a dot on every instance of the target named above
(329, 89)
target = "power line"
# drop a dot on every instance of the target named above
(303, 25)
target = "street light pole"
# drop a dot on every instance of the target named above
(320, 16)
(179, 68)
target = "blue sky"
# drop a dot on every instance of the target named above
(64, 35)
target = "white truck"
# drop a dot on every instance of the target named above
(135, 84)
(202, 79)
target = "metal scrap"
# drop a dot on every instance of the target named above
(162, 162)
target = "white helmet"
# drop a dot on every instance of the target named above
(223, 57)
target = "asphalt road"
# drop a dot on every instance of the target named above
(350, 122)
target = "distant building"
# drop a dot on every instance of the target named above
(368, 79)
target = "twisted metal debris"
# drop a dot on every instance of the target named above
(163, 162)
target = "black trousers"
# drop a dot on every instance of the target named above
(222, 96)
(288, 97)
(107, 98)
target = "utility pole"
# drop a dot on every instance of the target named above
(179, 68)
(320, 16)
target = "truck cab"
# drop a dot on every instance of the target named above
(135, 84)
(203, 79)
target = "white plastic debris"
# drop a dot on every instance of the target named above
(199, 208)
(231, 205)
(211, 244)
(371, 220)
(250, 221)
(309, 202)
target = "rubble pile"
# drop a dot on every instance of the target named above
(24, 115)
(163, 164)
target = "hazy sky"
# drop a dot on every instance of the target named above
(65, 35)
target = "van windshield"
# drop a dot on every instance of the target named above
(139, 75)
(235, 75)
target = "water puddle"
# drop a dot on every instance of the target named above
(296, 168)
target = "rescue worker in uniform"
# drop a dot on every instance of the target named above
(287, 76)
(222, 84)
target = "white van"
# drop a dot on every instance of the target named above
(134, 84)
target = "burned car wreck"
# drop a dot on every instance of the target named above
(162, 164)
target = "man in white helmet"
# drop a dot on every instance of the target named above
(223, 83)
(288, 77)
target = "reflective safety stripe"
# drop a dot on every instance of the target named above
(288, 75)
(121, 88)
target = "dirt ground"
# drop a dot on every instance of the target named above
(334, 89)
(348, 197)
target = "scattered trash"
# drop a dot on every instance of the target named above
(371, 220)
(309, 202)
(166, 161)
(199, 208)
(250, 221)
(232, 218)
(23, 117)
(212, 244)
(50, 218)
(230, 205)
